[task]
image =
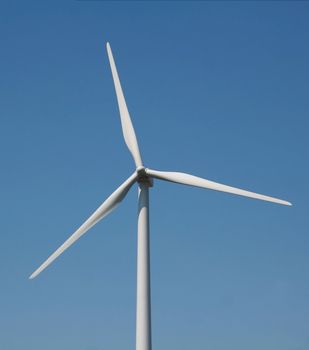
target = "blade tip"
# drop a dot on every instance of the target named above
(289, 204)
(33, 275)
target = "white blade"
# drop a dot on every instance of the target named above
(126, 123)
(108, 206)
(187, 179)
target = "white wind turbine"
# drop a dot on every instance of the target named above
(144, 177)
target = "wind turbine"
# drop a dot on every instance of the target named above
(144, 178)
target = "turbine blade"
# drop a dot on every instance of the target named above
(191, 180)
(126, 123)
(108, 206)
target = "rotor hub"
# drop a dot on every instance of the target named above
(143, 177)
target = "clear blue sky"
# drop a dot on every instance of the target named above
(217, 89)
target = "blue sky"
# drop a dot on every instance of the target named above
(216, 89)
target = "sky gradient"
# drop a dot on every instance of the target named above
(216, 89)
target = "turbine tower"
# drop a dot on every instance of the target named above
(144, 178)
